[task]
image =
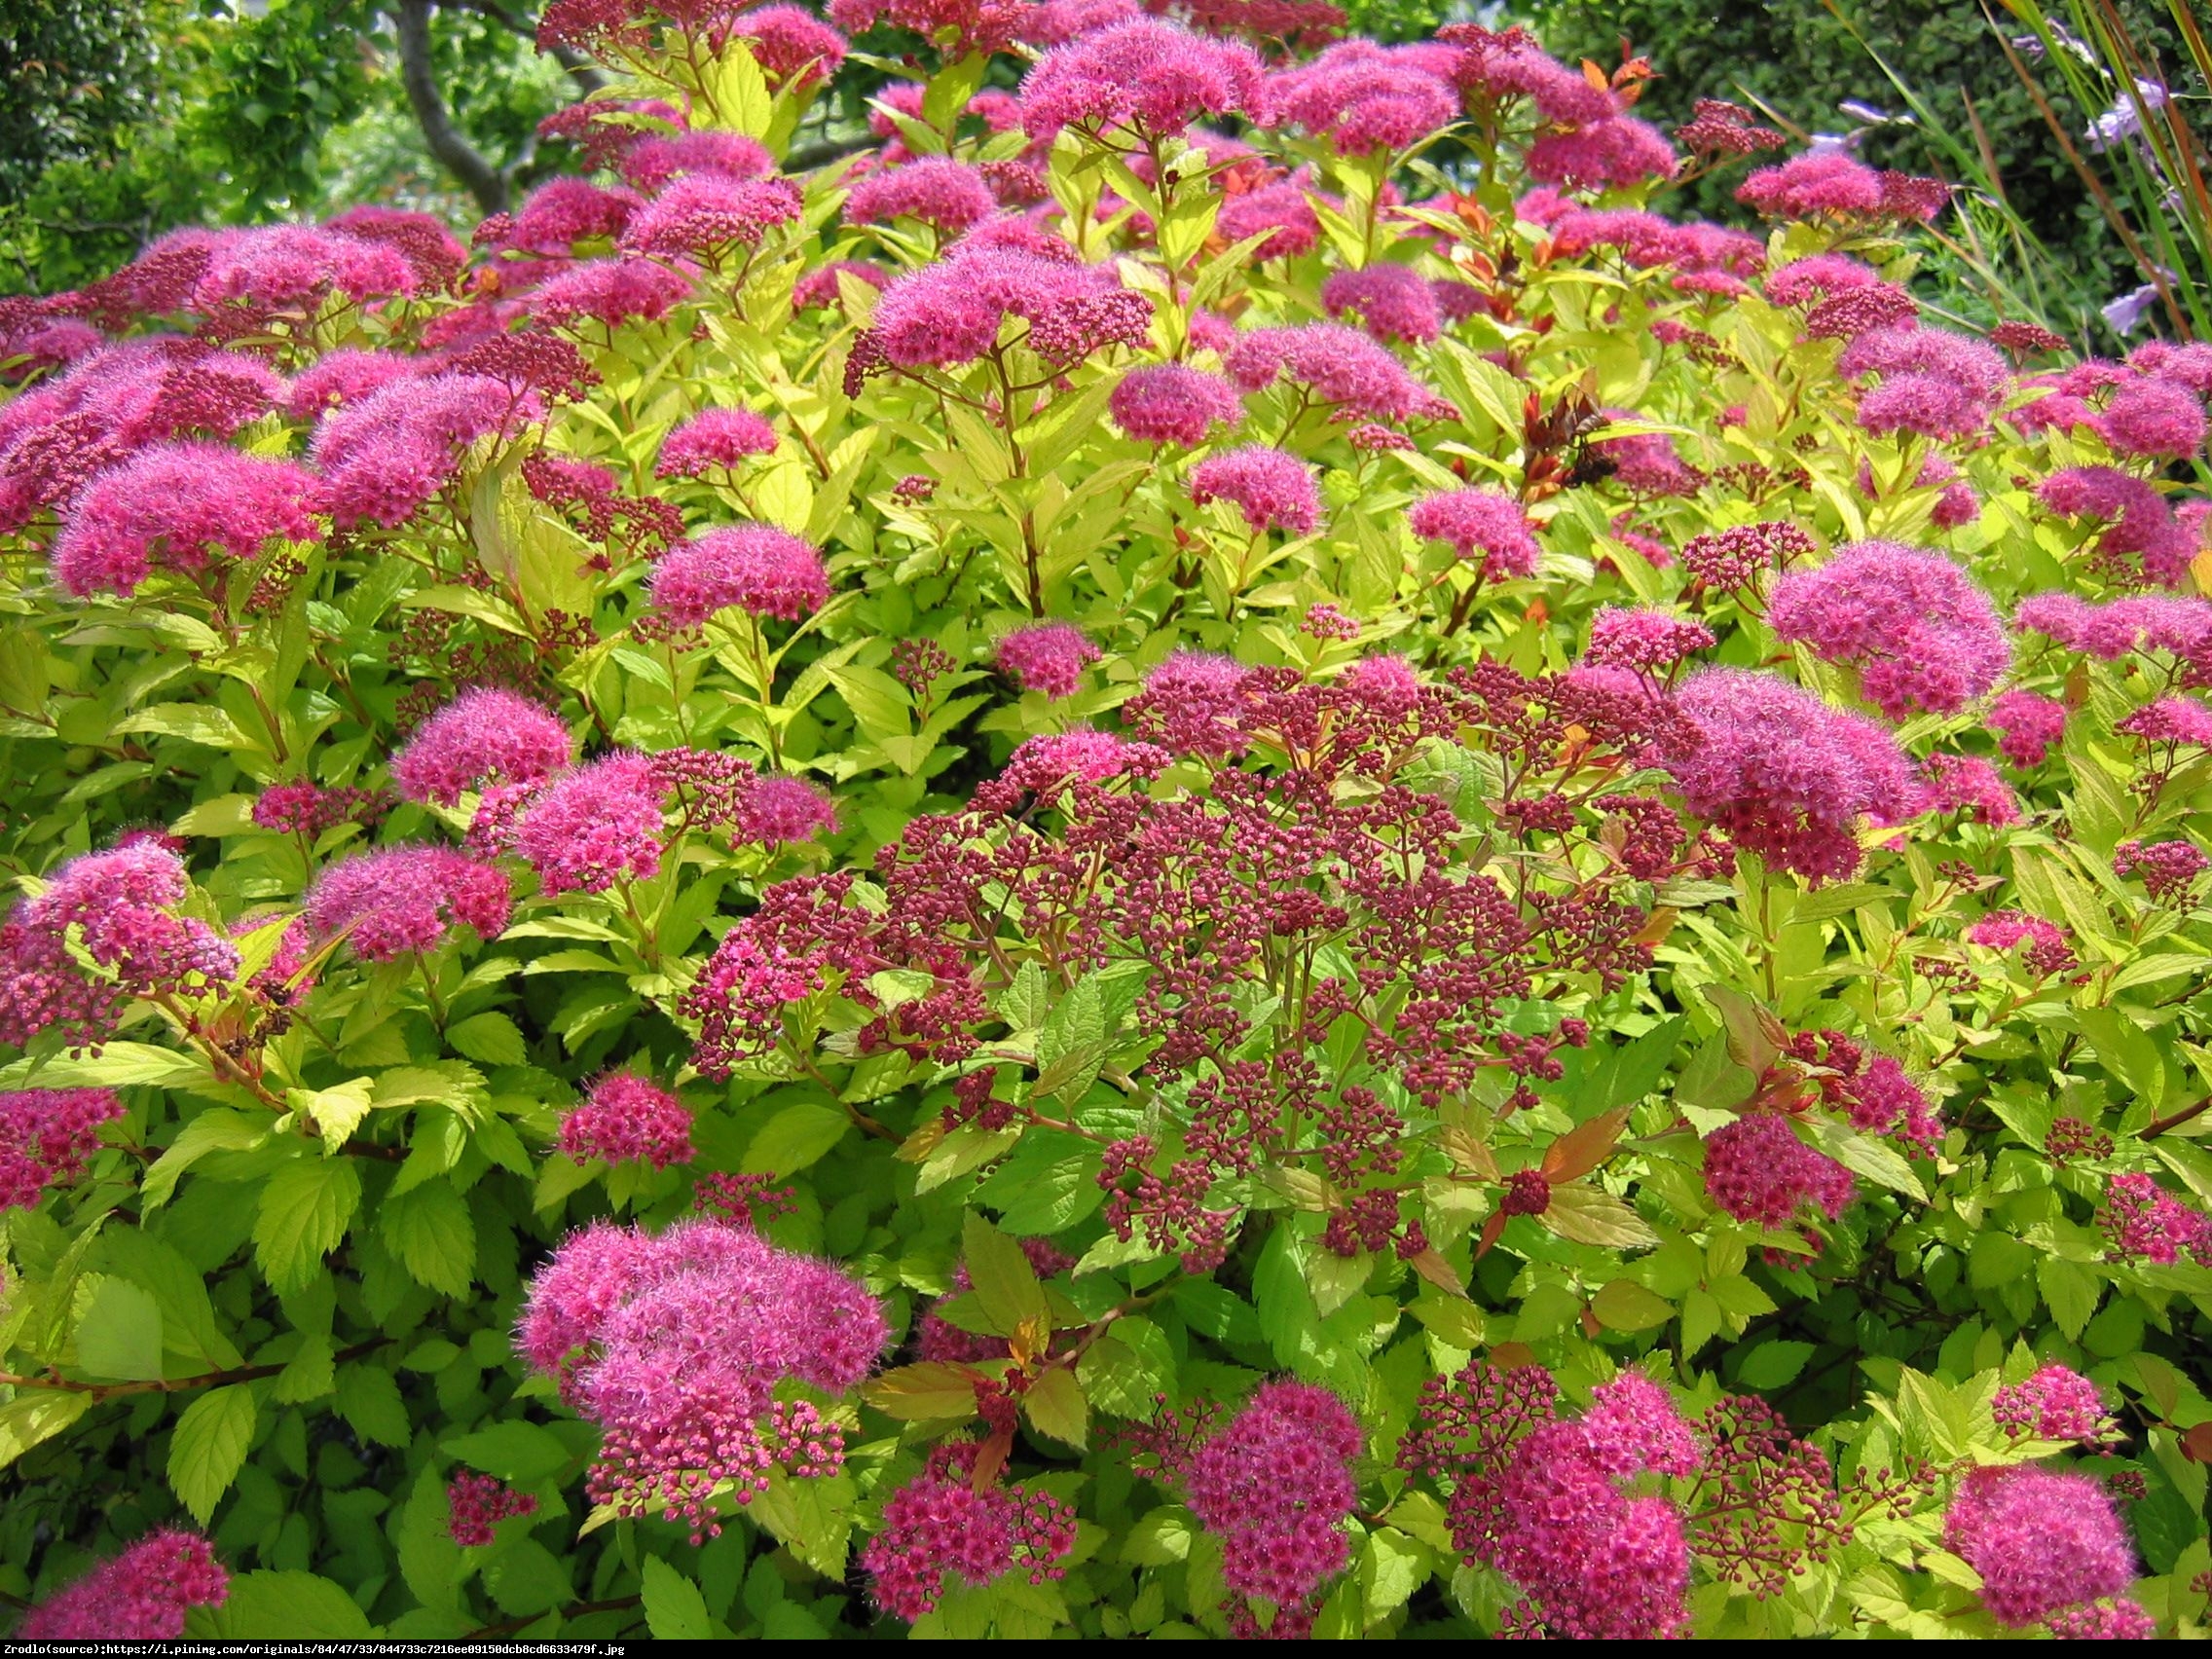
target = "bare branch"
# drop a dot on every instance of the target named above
(419, 76)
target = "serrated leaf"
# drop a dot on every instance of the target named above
(1865, 1155)
(119, 1333)
(674, 1610)
(289, 1606)
(336, 1111)
(430, 1231)
(1590, 1215)
(368, 1399)
(1773, 1363)
(1054, 1405)
(924, 1391)
(305, 1210)
(37, 1415)
(1001, 1277)
(520, 1453)
(796, 1138)
(209, 1446)
(1584, 1147)
(1623, 1305)
(491, 1038)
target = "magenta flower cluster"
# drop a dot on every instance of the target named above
(625, 1119)
(46, 1136)
(142, 1595)
(941, 1526)
(1275, 1485)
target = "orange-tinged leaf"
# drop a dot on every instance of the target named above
(990, 1457)
(1468, 1152)
(1512, 1356)
(1585, 1146)
(932, 1389)
(1595, 76)
(1491, 1228)
(1433, 1267)
(1656, 926)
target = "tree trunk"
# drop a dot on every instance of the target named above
(484, 181)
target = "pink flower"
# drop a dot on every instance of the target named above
(1934, 382)
(950, 312)
(612, 292)
(1923, 635)
(2166, 868)
(2140, 622)
(2102, 1621)
(1480, 523)
(1047, 766)
(2171, 720)
(1643, 640)
(1363, 97)
(1337, 365)
(475, 1503)
(778, 811)
(1615, 154)
(656, 161)
(2054, 1404)
(405, 899)
(1055, 22)
(1819, 277)
(115, 907)
(674, 1347)
(2153, 420)
(1390, 301)
(46, 1134)
(564, 211)
(484, 735)
(294, 269)
(1283, 208)
(2048, 951)
(1782, 774)
(2144, 1221)
(1049, 657)
(179, 506)
(345, 376)
(714, 438)
(2140, 525)
(1733, 559)
(1757, 1170)
(1829, 183)
(142, 1595)
(626, 1120)
(2187, 365)
(1167, 403)
(946, 194)
(1645, 463)
(385, 455)
(790, 43)
(1275, 1486)
(755, 566)
(1968, 784)
(1274, 489)
(1152, 77)
(2040, 1541)
(938, 1524)
(594, 827)
(2027, 726)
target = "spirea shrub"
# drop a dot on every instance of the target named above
(1132, 868)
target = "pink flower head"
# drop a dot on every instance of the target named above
(179, 506)
(293, 270)
(2146, 1222)
(1049, 657)
(1150, 77)
(1923, 635)
(46, 1134)
(674, 1347)
(1618, 153)
(2054, 1404)
(780, 811)
(2173, 722)
(1968, 785)
(1757, 1170)
(2140, 522)
(754, 567)
(1643, 640)
(142, 1595)
(1167, 403)
(345, 376)
(1194, 703)
(114, 908)
(2140, 622)
(384, 457)
(1363, 97)
(701, 214)
(817, 289)
(1819, 277)
(2167, 869)
(1337, 365)
(1275, 1486)
(1284, 209)
(654, 162)
(791, 45)
(714, 439)
(405, 899)
(2027, 726)
(610, 292)
(564, 211)
(1830, 184)
(1045, 766)
(1785, 775)
(2048, 951)
(2042, 1541)
(1488, 525)
(951, 312)
(940, 1524)
(594, 827)
(1734, 558)
(946, 194)
(1933, 382)
(973, 25)
(1273, 490)
(484, 735)
(476, 1503)
(626, 1120)
(1392, 302)
(1055, 22)
(1645, 463)
(2153, 420)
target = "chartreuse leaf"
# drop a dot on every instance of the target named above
(305, 1210)
(1002, 1278)
(37, 1415)
(209, 1446)
(430, 1230)
(289, 1606)
(674, 1610)
(119, 1333)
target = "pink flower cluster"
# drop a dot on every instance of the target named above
(940, 1524)
(623, 1119)
(142, 1595)
(1921, 633)
(2048, 951)
(405, 899)
(1830, 184)
(177, 505)
(1392, 302)
(2167, 869)
(944, 194)
(1644, 641)
(2139, 623)
(754, 568)
(1169, 403)
(675, 1346)
(46, 1134)
(1145, 78)
(1271, 488)
(1363, 97)
(1047, 657)
(712, 440)
(2054, 1404)
(2143, 538)
(476, 1503)
(2145, 1221)
(1275, 1486)
(117, 909)
(2042, 1542)
(1332, 365)
(384, 455)
(951, 312)
(483, 736)
(596, 826)
(1931, 381)
(1758, 1170)
(2027, 725)
(1485, 524)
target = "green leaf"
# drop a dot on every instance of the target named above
(520, 1453)
(674, 1610)
(430, 1560)
(36, 1414)
(1590, 1215)
(290, 1606)
(208, 1448)
(815, 1517)
(1049, 1184)
(196, 723)
(526, 1580)
(923, 1392)
(1072, 1045)
(797, 1136)
(1772, 1364)
(1002, 1280)
(1054, 1406)
(337, 1111)
(1865, 1155)
(188, 1316)
(305, 1210)
(1623, 1305)
(491, 1038)
(430, 1230)
(368, 1399)
(119, 1333)
(2071, 1290)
